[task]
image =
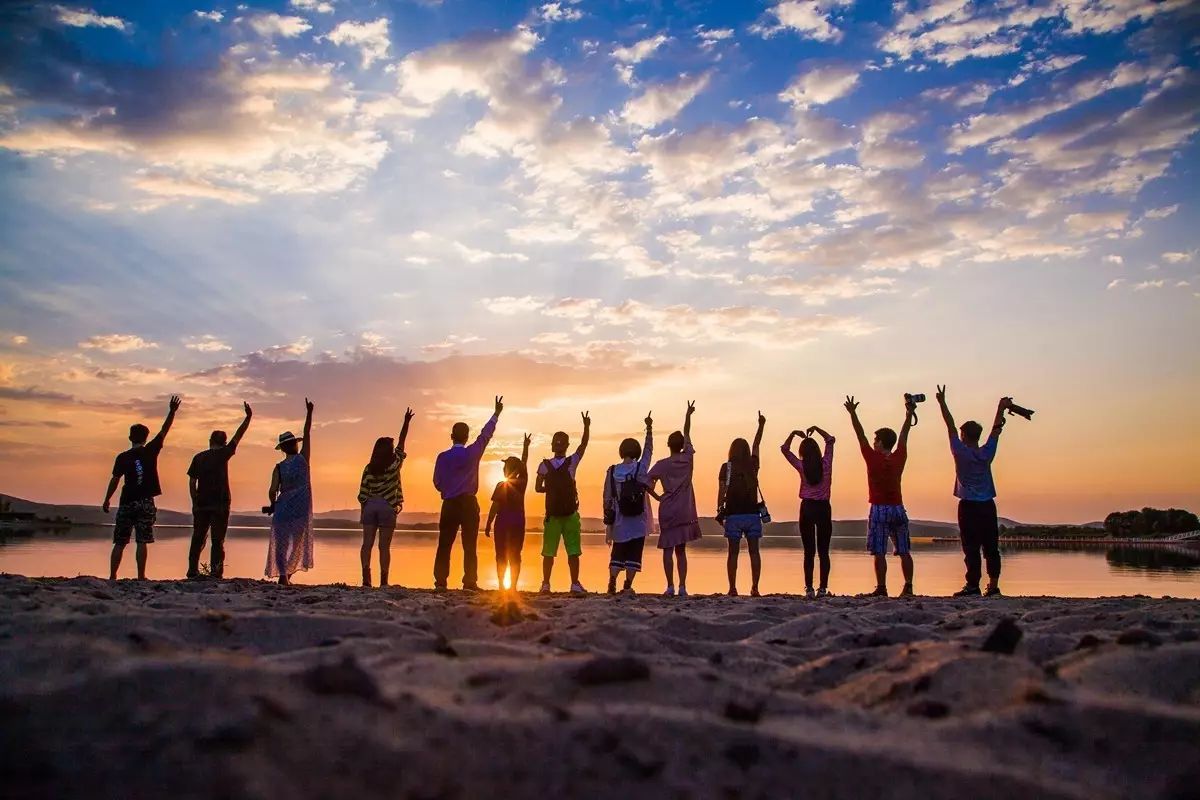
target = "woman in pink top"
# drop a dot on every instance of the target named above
(678, 522)
(816, 516)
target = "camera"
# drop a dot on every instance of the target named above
(914, 398)
(1013, 408)
(269, 509)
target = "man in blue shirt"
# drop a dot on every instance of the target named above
(456, 477)
(978, 525)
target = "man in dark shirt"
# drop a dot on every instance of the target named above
(138, 468)
(208, 483)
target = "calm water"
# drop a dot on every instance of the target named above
(1075, 572)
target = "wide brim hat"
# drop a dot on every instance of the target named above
(287, 436)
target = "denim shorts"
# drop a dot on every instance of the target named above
(888, 522)
(378, 513)
(739, 525)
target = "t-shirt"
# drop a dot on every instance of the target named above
(386, 485)
(883, 474)
(678, 505)
(973, 469)
(138, 470)
(557, 462)
(210, 468)
(741, 496)
(509, 496)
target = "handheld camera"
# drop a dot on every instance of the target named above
(1013, 408)
(914, 398)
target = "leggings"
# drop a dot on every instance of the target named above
(816, 529)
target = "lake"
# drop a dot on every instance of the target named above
(1080, 571)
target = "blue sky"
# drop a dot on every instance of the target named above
(761, 203)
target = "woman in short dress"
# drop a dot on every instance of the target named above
(678, 522)
(291, 545)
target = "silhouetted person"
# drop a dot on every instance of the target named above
(978, 525)
(291, 545)
(738, 506)
(628, 518)
(208, 484)
(138, 468)
(888, 519)
(507, 512)
(381, 498)
(816, 515)
(556, 479)
(678, 522)
(456, 477)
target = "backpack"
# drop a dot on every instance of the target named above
(562, 498)
(630, 493)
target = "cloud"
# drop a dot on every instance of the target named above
(206, 344)
(661, 102)
(1114, 259)
(297, 348)
(170, 187)
(211, 16)
(117, 343)
(812, 19)
(318, 6)
(1178, 257)
(1144, 285)
(559, 12)
(1115, 283)
(641, 50)
(821, 85)
(19, 339)
(371, 38)
(819, 290)
(270, 24)
(86, 18)
(512, 306)
(1162, 213)
(1095, 221)
(709, 37)
(475, 256)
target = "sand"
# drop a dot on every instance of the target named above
(245, 689)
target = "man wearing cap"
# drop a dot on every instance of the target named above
(456, 477)
(138, 467)
(208, 483)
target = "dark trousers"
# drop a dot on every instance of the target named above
(816, 529)
(979, 529)
(457, 512)
(203, 519)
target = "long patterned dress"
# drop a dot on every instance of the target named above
(291, 546)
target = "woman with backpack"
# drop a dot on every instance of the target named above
(816, 516)
(739, 507)
(627, 515)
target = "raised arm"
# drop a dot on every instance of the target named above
(241, 431)
(762, 423)
(408, 415)
(687, 423)
(998, 424)
(828, 437)
(306, 447)
(648, 446)
(587, 434)
(946, 415)
(910, 410)
(489, 429)
(172, 407)
(852, 407)
(525, 451)
(786, 449)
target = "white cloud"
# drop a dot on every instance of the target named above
(1162, 213)
(559, 12)
(174, 187)
(641, 50)
(86, 18)
(1116, 283)
(821, 85)
(710, 36)
(1144, 285)
(512, 306)
(19, 339)
(661, 102)
(812, 19)
(207, 344)
(211, 16)
(819, 290)
(294, 349)
(371, 38)
(476, 256)
(1114, 259)
(1091, 222)
(318, 6)
(117, 343)
(271, 24)
(1178, 258)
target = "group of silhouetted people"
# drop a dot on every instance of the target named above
(628, 487)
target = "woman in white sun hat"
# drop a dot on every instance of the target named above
(291, 545)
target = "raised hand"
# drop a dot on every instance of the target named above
(528, 440)
(247, 409)
(174, 403)
(499, 403)
(408, 415)
(761, 419)
(587, 419)
(649, 420)
(811, 430)
(941, 394)
(308, 405)
(851, 406)
(801, 434)
(691, 407)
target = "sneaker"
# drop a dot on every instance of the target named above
(967, 591)
(545, 588)
(683, 591)
(628, 591)
(823, 592)
(809, 593)
(907, 591)
(612, 585)
(880, 591)
(471, 587)
(670, 592)
(993, 591)
(577, 588)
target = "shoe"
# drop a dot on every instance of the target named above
(822, 592)
(439, 587)
(545, 588)
(967, 591)
(670, 592)
(612, 586)
(628, 591)
(993, 591)
(809, 593)
(471, 587)
(907, 591)
(683, 591)
(880, 591)
(577, 588)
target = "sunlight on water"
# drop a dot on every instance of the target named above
(1078, 572)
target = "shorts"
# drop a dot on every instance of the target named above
(135, 517)
(627, 555)
(568, 530)
(748, 525)
(888, 522)
(378, 513)
(509, 534)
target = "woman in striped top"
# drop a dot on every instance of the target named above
(381, 498)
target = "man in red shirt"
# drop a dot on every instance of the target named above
(888, 519)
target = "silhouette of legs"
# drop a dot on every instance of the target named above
(755, 564)
(385, 554)
(114, 561)
(140, 554)
(731, 564)
(364, 553)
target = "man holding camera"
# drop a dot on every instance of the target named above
(978, 525)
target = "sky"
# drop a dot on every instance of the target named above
(605, 206)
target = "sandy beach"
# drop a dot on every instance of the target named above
(249, 690)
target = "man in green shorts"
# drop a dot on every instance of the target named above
(556, 480)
